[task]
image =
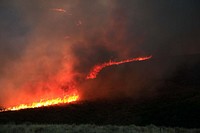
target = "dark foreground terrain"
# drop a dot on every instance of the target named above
(176, 105)
(124, 112)
(62, 128)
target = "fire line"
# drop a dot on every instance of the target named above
(44, 103)
(96, 69)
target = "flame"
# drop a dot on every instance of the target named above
(44, 103)
(96, 69)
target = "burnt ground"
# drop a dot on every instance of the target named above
(178, 104)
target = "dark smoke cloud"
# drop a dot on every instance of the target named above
(38, 43)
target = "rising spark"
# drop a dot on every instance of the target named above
(96, 69)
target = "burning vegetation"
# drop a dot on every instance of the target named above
(73, 97)
(44, 103)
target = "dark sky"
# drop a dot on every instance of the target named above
(37, 42)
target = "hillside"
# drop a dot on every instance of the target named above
(175, 103)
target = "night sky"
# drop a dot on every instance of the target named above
(44, 50)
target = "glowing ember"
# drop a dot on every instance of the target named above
(94, 72)
(43, 103)
(58, 10)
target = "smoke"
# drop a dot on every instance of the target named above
(48, 47)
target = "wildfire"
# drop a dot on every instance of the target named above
(44, 103)
(73, 96)
(96, 69)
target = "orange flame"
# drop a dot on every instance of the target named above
(96, 69)
(44, 103)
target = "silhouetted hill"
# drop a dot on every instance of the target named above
(176, 101)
